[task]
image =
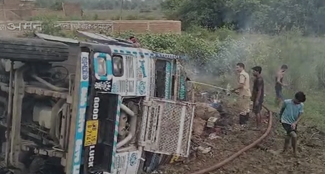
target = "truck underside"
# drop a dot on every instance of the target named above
(33, 105)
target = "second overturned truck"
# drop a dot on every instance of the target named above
(99, 106)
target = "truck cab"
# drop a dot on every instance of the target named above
(126, 105)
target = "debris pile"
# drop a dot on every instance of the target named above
(203, 113)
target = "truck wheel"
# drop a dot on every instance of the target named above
(33, 50)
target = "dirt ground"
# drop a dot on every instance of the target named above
(263, 159)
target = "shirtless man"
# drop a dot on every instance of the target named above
(279, 84)
(244, 93)
(258, 94)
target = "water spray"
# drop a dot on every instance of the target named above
(227, 89)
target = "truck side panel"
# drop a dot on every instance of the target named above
(81, 113)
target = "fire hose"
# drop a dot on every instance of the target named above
(235, 155)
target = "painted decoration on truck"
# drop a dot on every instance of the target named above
(133, 159)
(139, 74)
(127, 162)
(182, 88)
(103, 86)
(103, 72)
(141, 70)
(142, 74)
(168, 80)
(117, 122)
(142, 87)
(80, 120)
(114, 88)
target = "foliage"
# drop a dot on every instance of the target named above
(267, 16)
(52, 4)
(195, 49)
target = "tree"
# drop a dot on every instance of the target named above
(267, 16)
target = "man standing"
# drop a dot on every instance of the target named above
(258, 94)
(290, 115)
(244, 93)
(279, 84)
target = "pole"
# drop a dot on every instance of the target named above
(121, 9)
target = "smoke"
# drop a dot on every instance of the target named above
(287, 45)
(222, 63)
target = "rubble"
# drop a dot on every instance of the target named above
(198, 126)
(204, 149)
(205, 111)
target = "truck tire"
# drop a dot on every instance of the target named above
(33, 50)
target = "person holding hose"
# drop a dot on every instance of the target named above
(279, 84)
(258, 94)
(244, 94)
(290, 115)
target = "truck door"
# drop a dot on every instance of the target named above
(168, 119)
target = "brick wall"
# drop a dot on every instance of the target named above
(11, 3)
(154, 26)
(71, 9)
(137, 26)
(16, 10)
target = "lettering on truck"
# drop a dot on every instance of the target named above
(96, 108)
(91, 157)
(82, 111)
(77, 156)
(80, 120)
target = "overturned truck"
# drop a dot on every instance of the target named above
(99, 106)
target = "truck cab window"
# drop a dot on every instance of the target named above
(118, 68)
(101, 62)
(160, 78)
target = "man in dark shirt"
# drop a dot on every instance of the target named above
(258, 94)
